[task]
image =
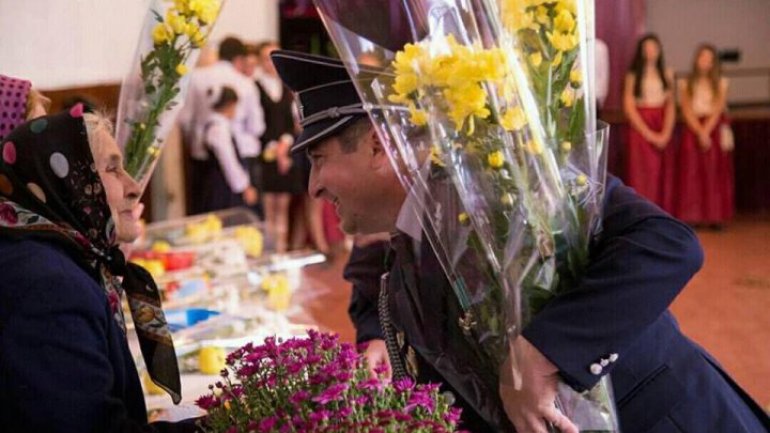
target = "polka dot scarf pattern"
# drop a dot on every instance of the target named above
(13, 103)
(50, 189)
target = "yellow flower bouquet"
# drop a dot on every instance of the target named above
(151, 94)
(486, 111)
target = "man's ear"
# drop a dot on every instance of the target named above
(379, 155)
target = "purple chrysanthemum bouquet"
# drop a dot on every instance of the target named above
(317, 384)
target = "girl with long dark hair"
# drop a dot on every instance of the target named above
(649, 106)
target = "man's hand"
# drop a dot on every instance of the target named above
(528, 383)
(376, 353)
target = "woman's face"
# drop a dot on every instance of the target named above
(705, 61)
(121, 189)
(651, 50)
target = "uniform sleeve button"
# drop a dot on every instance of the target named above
(614, 357)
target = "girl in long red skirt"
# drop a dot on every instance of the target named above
(649, 107)
(705, 168)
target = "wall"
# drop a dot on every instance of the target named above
(742, 24)
(71, 43)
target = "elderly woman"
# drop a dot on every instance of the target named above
(65, 365)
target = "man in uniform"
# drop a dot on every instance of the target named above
(616, 321)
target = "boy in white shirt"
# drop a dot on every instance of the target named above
(226, 182)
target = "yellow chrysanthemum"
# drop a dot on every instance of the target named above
(464, 101)
(181, 69)
(405, 84)
(575, 77)
(535, 59)
(463, 218)
(190, 29)
(435, 156)
(417, 116)
(557, 60)
(457, 71)
(541, 15)
(567, 97)
(566, 146)
(182, 6)
(566, 5)
(406, 58)
(489, 64)
(582, 180)
(534, 147)
(160, 34)
(197, 38)
(513, 119)
(515, 16)
(153, 151)
(205, 10)
(564, 22)
(406, 66)
(563, 41)
(176, 22)
(496, 159)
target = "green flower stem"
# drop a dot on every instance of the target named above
(158, 65)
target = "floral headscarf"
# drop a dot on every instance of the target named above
(50, 190)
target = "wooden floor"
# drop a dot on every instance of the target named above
(725, 308)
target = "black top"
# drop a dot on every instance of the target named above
(278, 116)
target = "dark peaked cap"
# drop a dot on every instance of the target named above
(327, 98)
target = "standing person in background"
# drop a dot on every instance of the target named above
(248, 123)
(281, 177)
(705, 175)
(225, 177)
(648, 104)
(65, 363)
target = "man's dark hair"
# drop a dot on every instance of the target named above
(227, 97)
(231, 48)
(350, 136)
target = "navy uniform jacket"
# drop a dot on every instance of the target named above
(65, 365)
(663, 382)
